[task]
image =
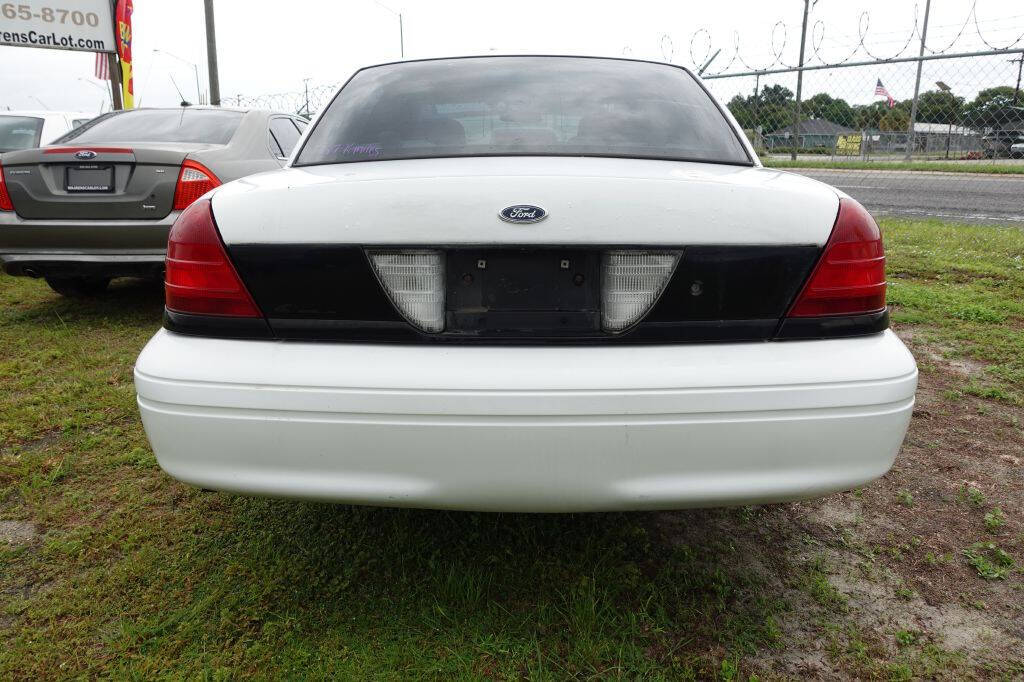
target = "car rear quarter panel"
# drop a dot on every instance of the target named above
(247, 153)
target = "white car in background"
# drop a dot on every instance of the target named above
(539, 284)
(31, 129)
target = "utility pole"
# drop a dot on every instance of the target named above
(800, 81)
(949, 128)
(917, 84)
(1020, 66)
(114, 69)
(211, 54)
(114, 65)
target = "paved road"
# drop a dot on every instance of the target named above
(953, 196)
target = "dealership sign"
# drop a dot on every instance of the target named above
(58, 24)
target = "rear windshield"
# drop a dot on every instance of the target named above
(209, 126)
(522, 105)
(19, 132)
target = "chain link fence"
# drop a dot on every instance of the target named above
(965, 110)
(956, 151)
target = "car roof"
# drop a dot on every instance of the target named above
(41, 113)
(513, 56)
(208, 107)
(191, 107)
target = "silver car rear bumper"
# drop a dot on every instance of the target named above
(62, 248)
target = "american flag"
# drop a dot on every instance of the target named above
(103, 67)
(880, 91)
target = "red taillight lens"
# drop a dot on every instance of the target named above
(200, 279)
(5, 199)
(850, 277)
(194, 181)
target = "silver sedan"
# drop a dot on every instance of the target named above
(98, 202)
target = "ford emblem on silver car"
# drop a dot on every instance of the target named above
(85, 154)
(523, 213)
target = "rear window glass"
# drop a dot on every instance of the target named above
(285, 133)
(19, 132)
(522, 105)
(210, 126)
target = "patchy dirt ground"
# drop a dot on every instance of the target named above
(17, 532)
(925, 561)
(917, 574)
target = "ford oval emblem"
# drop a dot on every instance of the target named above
(85, 154)
(523, 213)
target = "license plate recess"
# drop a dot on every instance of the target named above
(507, 292)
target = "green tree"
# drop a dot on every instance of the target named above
(939, 106)
(989, 94)
(895, 120)
(742, 109)
(867, 116)
(992, 107)
(771, 108)
(777, 95)
(775, 109)
(829, 108)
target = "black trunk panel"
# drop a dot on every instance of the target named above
(523, 294)
(317, 282)
(734, 283)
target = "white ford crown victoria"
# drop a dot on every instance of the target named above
(526, 284)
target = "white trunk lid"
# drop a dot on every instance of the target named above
(456, 201)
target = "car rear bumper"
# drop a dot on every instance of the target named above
(527, 428)
(57, 248)
(148, 265)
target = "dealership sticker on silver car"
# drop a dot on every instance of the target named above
(523, 213)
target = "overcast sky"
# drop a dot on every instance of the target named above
(269, 47)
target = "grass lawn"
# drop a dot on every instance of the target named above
(935, 166)
(110, 568)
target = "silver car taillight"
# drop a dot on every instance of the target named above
(414, 280)
(631, 281)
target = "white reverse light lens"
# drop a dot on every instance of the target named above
(631, 281)
(193, 175)
(414, 280)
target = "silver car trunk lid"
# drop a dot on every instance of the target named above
(101, 182)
